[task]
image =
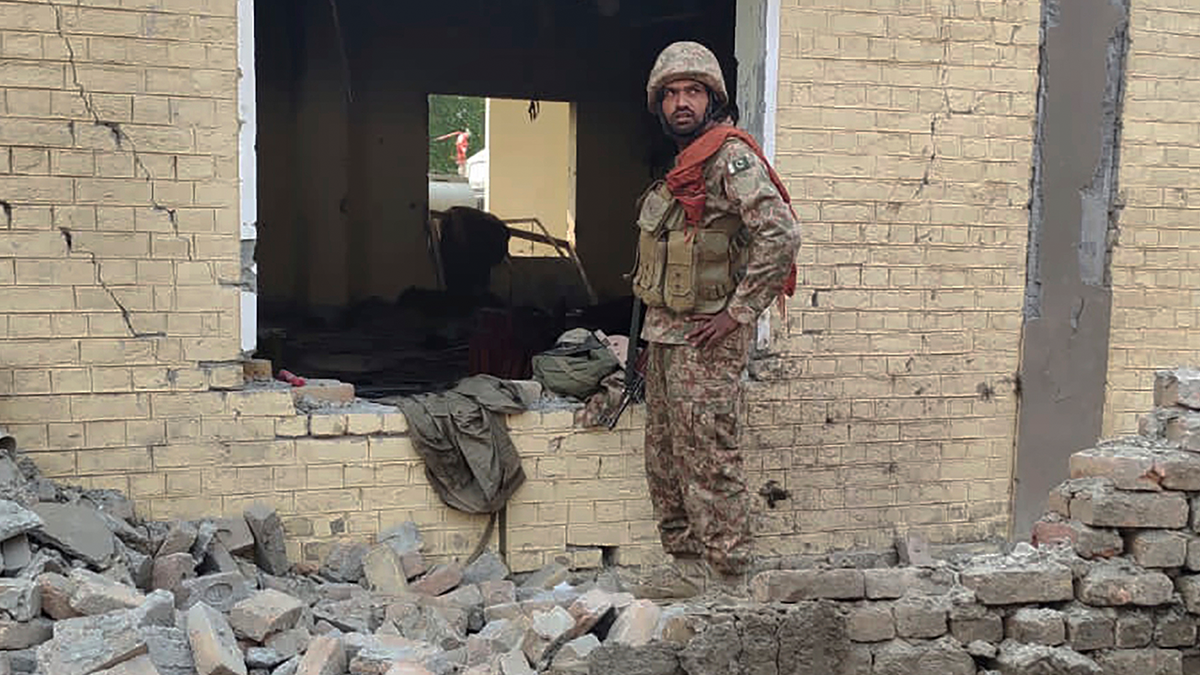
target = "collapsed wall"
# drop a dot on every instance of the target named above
(1109, 586)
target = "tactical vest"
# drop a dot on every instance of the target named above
(686, 270)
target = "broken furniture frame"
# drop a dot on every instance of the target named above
(562, 246)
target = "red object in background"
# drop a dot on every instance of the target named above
(497, 349)
(462, 141)
(290, 378)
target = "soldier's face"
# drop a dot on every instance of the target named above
(684, 105)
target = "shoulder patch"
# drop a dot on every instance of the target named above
(739, 164)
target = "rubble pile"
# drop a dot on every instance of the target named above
(1109, 586)
(89, 589)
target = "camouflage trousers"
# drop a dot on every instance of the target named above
(694, 466)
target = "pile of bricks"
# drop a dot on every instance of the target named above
(1176, 415)
(90, 589)
(1110, 585)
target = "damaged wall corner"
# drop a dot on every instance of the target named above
(1073, 214)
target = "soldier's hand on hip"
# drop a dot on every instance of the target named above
(711, 330)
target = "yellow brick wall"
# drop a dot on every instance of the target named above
(119, 234)
(1156, 261)
(904, 133)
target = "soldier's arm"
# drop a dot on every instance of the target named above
(774, 233)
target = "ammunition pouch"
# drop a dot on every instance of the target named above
(685, 270)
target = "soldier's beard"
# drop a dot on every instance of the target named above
(686, 135)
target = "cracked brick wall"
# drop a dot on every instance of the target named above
(119, 258)
(905, 131)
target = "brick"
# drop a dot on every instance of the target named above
(1088, 542)
(1174, 628)
(1140, 662)
(264, 613)
(383, 449)
(549, 627)
(635, 625)
(172, 569)
(90, 644)
(325, 656)
(1036, 626)
(362, 424)
(1159, 548)
(213, 644)
(1099, 504)
(323, 391)
(441, 579)
(1089, 629)
(894, 582)
(325, 425)
(898, 657)
(1010, 582)
(1018, 658)
(870, 623)
(260, 403)
(95, 594)
(797, 585)
(342, 450)
(921, 616)
(221, 591)
(1113, 584)
(385, 571)
(1177, 388)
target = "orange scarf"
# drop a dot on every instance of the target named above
(686, 180)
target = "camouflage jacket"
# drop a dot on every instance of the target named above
(738, 183)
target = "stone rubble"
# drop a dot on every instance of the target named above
(1109, 585)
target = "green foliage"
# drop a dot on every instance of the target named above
(449, 113)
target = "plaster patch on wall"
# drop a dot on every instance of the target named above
(1099, 198)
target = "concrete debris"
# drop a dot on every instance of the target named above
(404, 538)
(441, 579)
(16, 519)
(86, 645)
(1110, 584)
(77, 531)
(264, 613)
(487, 567)
(214, 647)
(344, 562)
(1024, 659)
(96, 594)
(220, 591)
(266, 528)
(384, 570)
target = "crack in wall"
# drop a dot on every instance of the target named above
(948, 113)
(126, 315)
(124, 142)
(121, 138)
(7, 209)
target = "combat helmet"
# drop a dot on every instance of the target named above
(685, 61)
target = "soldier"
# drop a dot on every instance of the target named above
(717, 243)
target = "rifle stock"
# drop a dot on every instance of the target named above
(634, 384)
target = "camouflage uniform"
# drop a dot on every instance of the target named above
(695, 398)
